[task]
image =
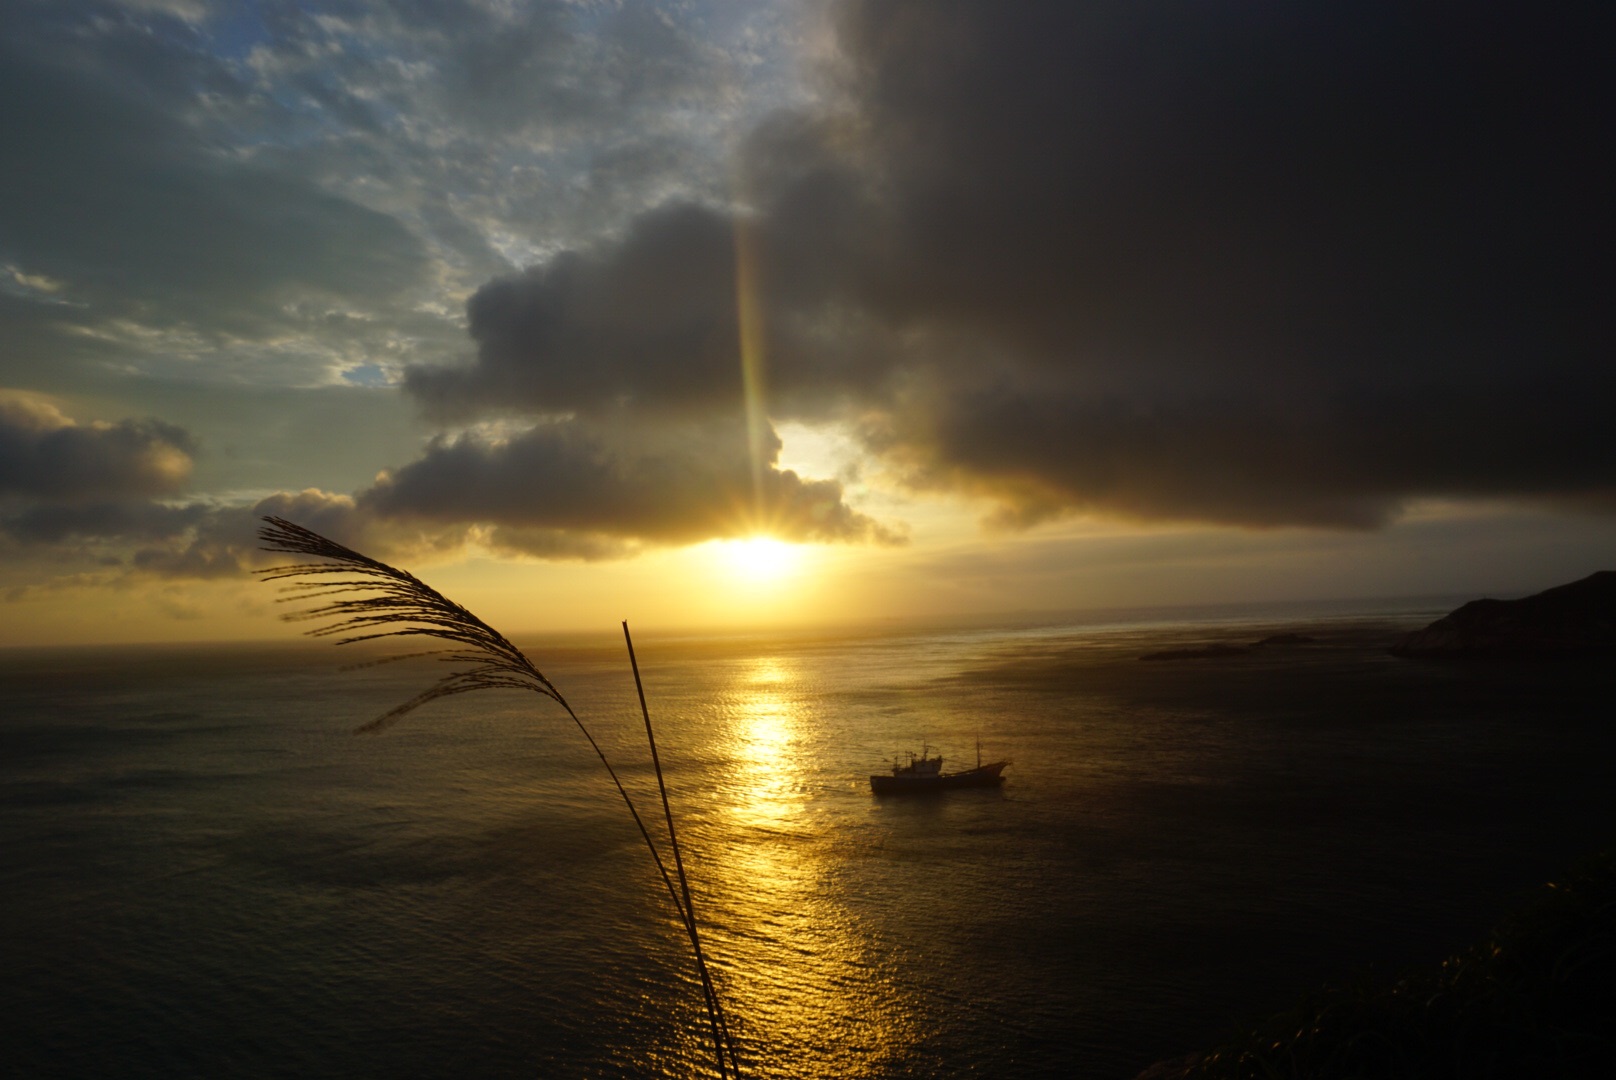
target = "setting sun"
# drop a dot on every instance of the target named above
(751, 578)
(761, 559)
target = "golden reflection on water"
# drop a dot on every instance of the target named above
(764, 740)
(804, 979)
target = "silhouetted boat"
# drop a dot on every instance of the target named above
(925, 774)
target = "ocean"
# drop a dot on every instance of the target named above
(205, 873)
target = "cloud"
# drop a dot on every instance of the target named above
(142, 220)
(281, 198)
(115, 544)
(224, 542)
(1346, 457)
(650, 323)
(223, 216)
(1250, 265)
(306, 193)
(46, 456)
(1204, 261)
(590, 491)
(562, 490)
(90, 526)
(501, 131)
(77, 495)
(112, 495)
(1209, 262)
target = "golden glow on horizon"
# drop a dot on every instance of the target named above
(949, 569)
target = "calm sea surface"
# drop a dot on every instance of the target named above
(203, 873)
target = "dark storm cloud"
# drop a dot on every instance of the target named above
(1254, 184)
(46, 456)
(1252, 263)
(570, 490)
(1343, 459)
(1258, 264)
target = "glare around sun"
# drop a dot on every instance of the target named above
(760, 560)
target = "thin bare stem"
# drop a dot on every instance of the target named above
(364, 599)
(715, 1012)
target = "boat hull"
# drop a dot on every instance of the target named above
(983, 776)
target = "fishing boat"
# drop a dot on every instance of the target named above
(925, 774)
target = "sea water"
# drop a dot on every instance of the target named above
(203, 872)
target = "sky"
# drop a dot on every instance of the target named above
(714, 313)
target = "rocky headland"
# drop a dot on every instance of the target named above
(1568, 620)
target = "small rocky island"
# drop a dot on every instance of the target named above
(1568, 620)
(1218, 651)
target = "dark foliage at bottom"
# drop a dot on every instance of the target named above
(1534, 1000)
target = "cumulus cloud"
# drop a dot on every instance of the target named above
(79, 494)
(1248, 265)
(46, 456)
(650, 322)
(224, 541)
(561, 490)
(112, 495)
(592, 491)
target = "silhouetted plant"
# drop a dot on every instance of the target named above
(362, 599)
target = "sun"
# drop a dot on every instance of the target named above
(760, 559)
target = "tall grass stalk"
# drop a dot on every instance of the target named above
(721, 1036)
(358, 598)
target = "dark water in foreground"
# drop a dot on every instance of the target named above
(203, 874)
